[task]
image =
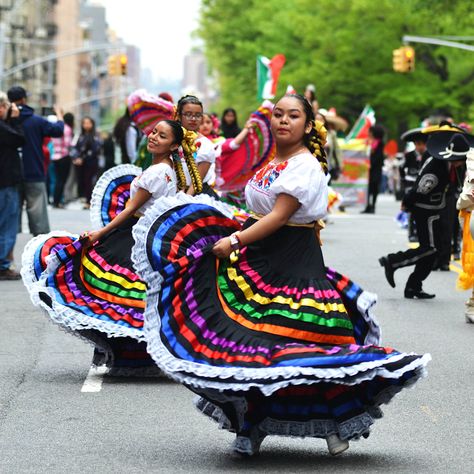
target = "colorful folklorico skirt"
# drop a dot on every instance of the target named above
(94, 293)
(269, 339)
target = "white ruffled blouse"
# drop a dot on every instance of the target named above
(301, 176)
(159, 180)
(206, 152)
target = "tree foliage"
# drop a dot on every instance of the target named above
(345, 49)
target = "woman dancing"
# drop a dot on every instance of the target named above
(88, 285)
(189, 112)
(271, 341)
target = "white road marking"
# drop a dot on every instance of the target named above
(94, 379)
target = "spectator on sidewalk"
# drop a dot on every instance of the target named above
(86, 158)
(11, 138)
(62, 159)
(377, 144)
(128, 137)
(108, 150)
(35, 128)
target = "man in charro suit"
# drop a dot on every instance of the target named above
(448, 146)
(413, 161)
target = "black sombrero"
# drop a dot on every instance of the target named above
(413, 135)
(450, 146)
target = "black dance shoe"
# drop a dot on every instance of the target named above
(389, 270)
(418, 294)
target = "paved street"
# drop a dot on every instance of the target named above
(48, 425)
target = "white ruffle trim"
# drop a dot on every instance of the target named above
(365, 302)
(195, 374)
(62, 315)
(351, 429)
(101, 186)
(285, 376)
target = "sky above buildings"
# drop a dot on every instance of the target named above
(160, 28)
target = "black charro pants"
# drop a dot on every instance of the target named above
(449, 217)
(423, 257)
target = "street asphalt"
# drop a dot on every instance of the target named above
(48, 425)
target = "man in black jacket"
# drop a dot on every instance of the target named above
(447, 146)
(36, 128)
(414, 160)
(11, 137)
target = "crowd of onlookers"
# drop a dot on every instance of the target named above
(45, 160)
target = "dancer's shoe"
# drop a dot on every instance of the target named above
(336, 445)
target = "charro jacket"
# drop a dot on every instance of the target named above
(429, 191)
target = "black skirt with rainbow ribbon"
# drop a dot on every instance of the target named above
(94, 293)
(269, 339)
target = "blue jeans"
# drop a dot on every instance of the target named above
(9, 215)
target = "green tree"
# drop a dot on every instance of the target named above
(345, 48)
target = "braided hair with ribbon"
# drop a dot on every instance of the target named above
(189, 148)
(178, 133)
(317, 136)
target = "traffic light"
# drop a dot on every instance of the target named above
(404, 59)
(123, 64)
(112, 65)
(409, 54)
(398, 60)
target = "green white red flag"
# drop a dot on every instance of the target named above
(363, 123)
(268, 72)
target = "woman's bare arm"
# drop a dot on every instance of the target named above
(140, 198)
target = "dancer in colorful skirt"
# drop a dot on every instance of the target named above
(271, 341)
(465, 205)
(189, 112)
(239, 158)
(88, 285)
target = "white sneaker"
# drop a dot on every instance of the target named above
(336, 445)
(244, 446)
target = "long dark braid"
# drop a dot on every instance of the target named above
(178, 133)
(188, 143)
(317, 136)
(178, 166)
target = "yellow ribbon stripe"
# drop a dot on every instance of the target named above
(137, 285)
(308, 302)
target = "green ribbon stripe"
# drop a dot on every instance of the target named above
(232, 300)
(124, 293)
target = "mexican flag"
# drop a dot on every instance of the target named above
(268, 71)
(364, 122)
